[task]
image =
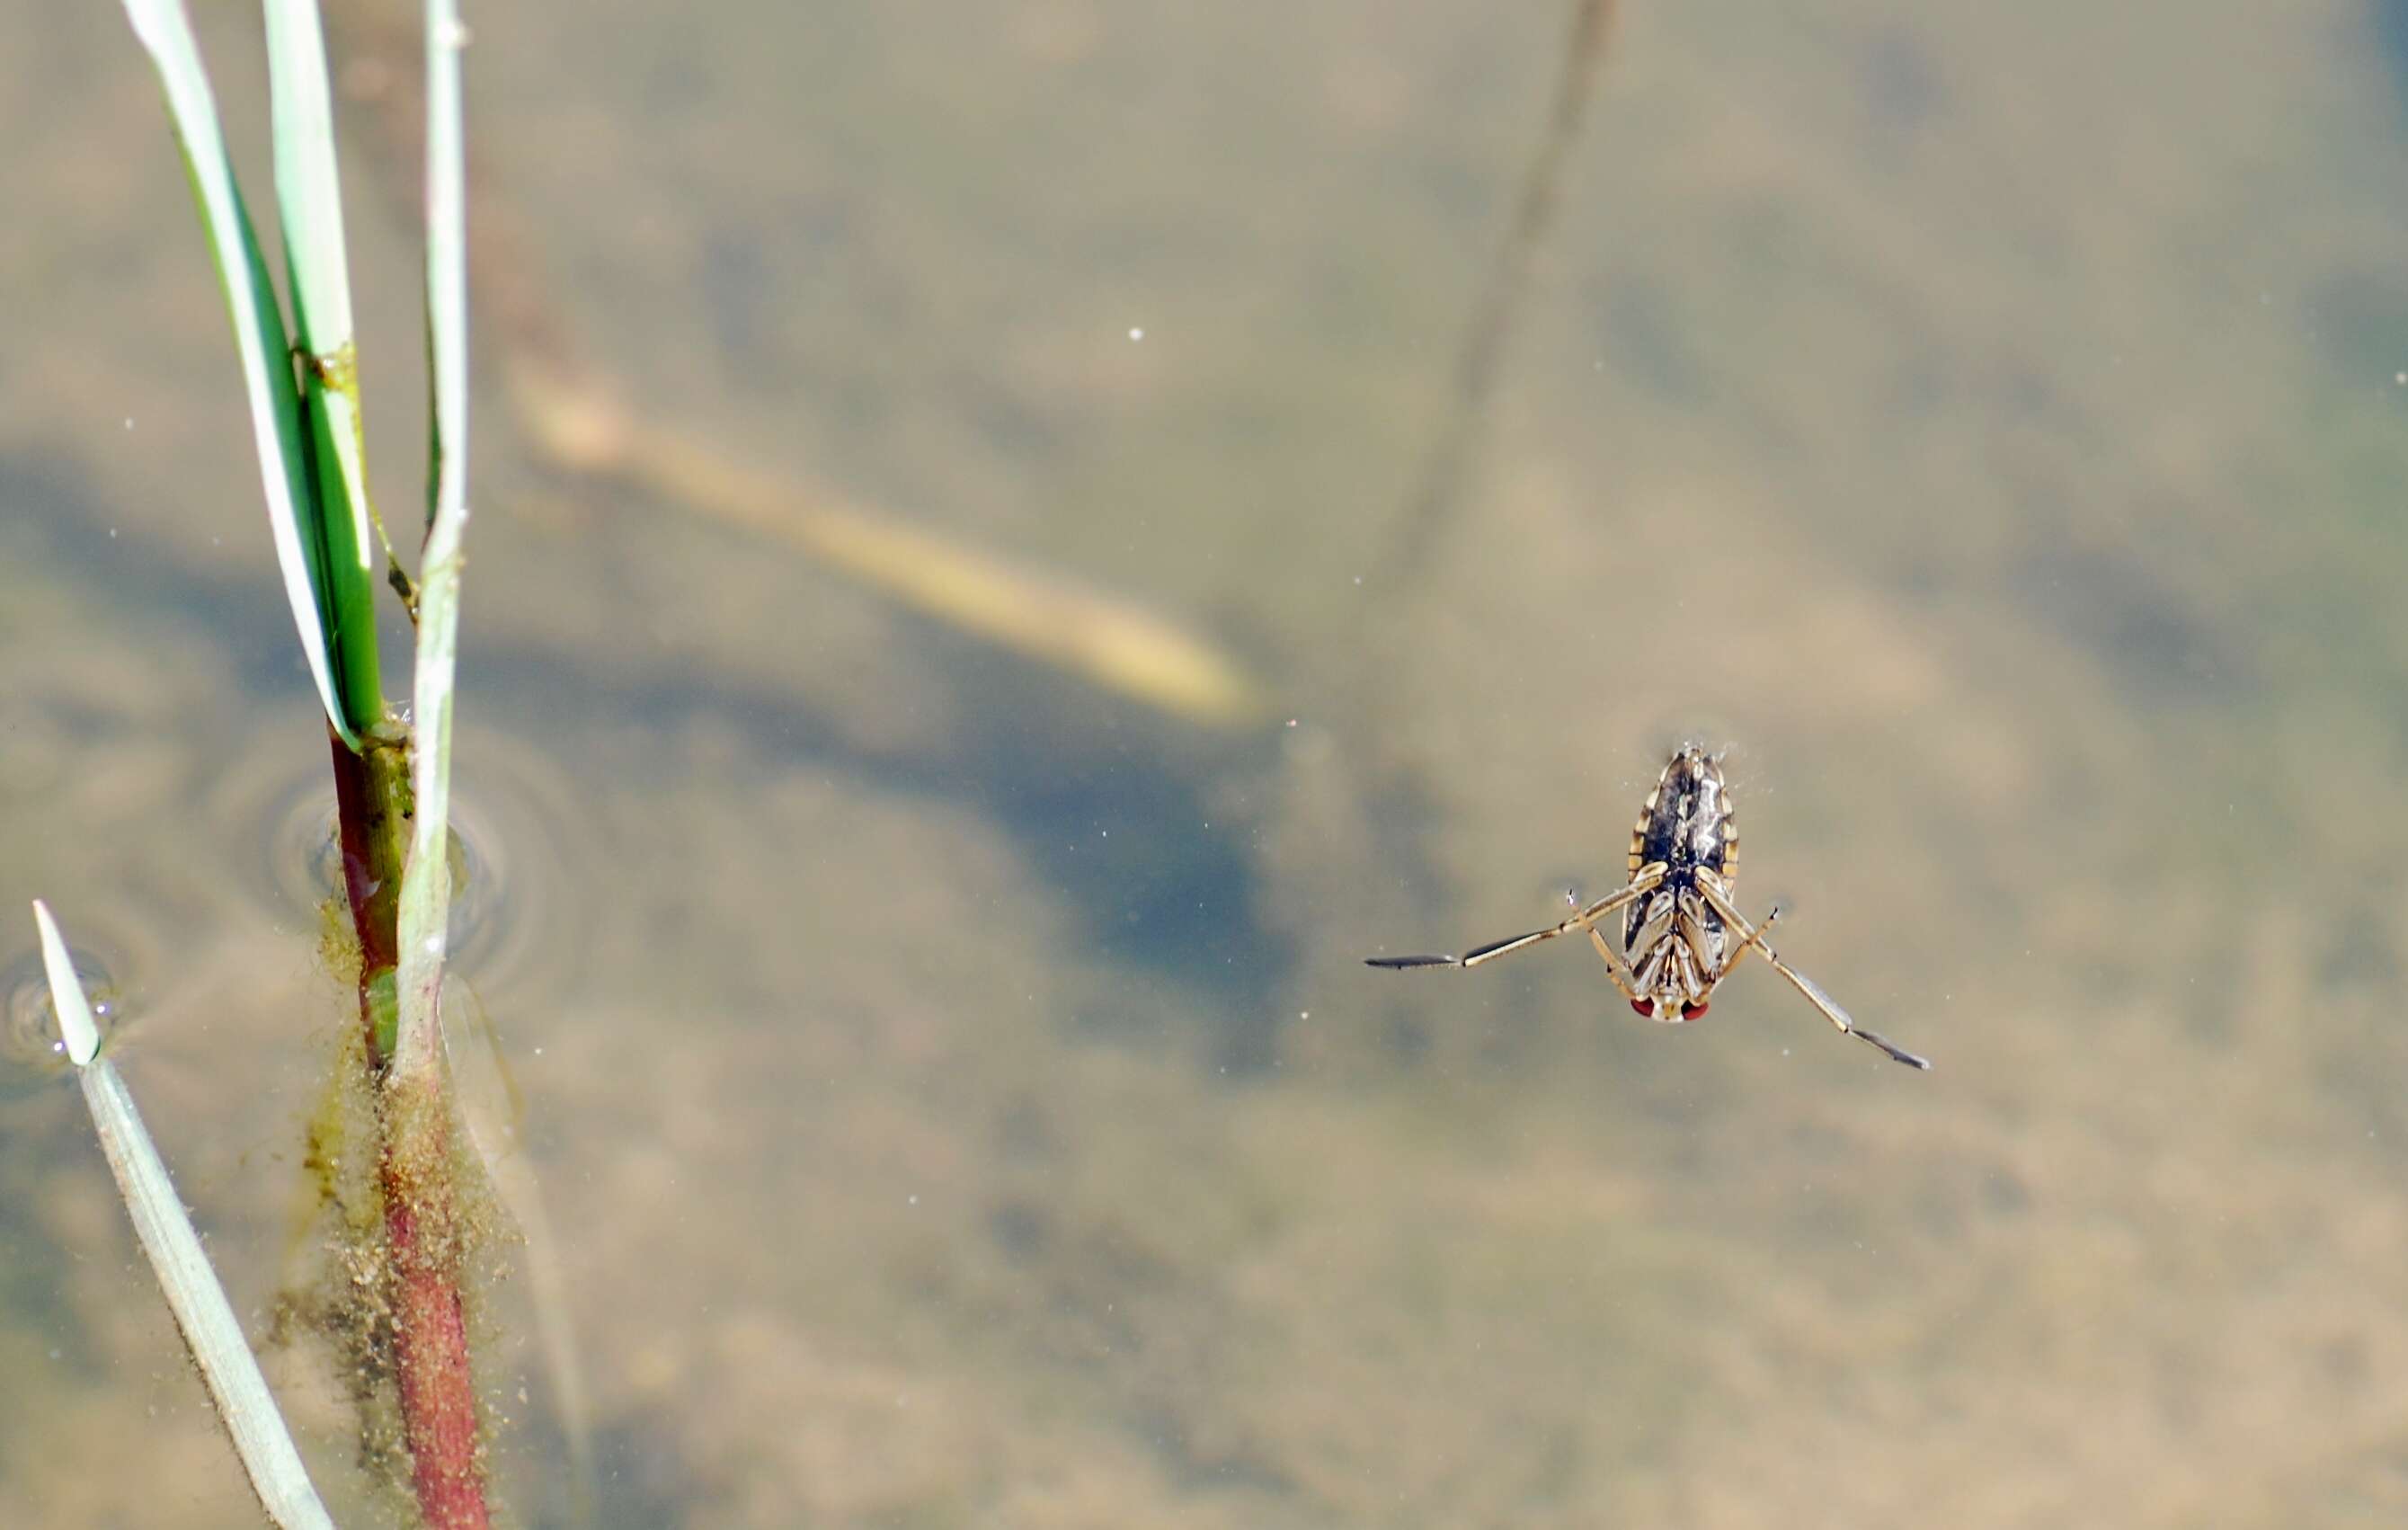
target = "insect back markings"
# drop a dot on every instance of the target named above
(1686, 827)
(1678, 916)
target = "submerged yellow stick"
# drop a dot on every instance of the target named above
(1108, 642)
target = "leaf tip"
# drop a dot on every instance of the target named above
(76, 1026)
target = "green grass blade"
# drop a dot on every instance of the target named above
(202, 1312)
(309, 203)
(426, 884)
(258, 334)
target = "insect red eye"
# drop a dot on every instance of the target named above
(1691, 1012)
(1645, 1006)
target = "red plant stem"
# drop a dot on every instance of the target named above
(438, 1397)
(365, 814)
(422, 1245)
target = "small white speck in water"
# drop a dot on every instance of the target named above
(911, 1200)
(129, 422)
(1136, 334)
(112, 533)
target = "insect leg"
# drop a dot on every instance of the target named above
(1645, 882)
(1838, 1017)
(1754, 940)
(1813, 992)
(1622, 976)
(1642, 885)
(1613, 966)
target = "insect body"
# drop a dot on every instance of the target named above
(1681, 935)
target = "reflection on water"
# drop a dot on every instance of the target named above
(956, 1092)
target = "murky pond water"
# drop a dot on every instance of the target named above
(952, 1081)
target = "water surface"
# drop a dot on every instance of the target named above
(956, 1089)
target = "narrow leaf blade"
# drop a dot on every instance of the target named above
(202, 1312)
(260, 338)
(310, 207)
